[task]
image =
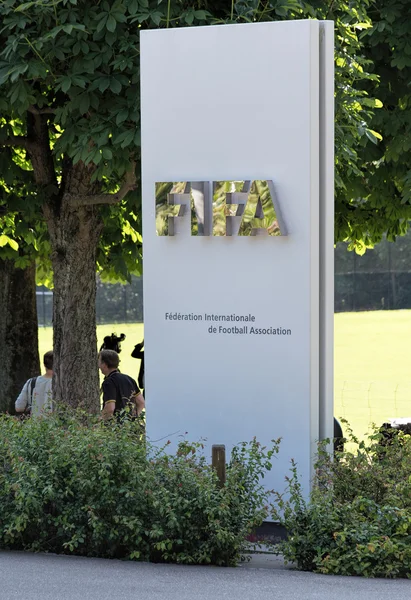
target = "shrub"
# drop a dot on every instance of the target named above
(358, 518)
(69, 484)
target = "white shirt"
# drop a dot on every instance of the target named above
(42, 398)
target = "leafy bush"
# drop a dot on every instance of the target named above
(358, 518)
(69, 484)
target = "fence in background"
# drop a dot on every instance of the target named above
(378, 280)
(115, 303)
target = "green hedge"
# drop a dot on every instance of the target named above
(69, 484)
(358, 519)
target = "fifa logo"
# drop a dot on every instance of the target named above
(220, 208)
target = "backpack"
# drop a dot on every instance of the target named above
(30, 403)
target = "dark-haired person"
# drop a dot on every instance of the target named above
(36, 396)
(119, 390)
(113, 342)
(138, 352)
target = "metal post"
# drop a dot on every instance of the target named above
(354, 281)
(44, 307)
(125, 303)
(391, 275)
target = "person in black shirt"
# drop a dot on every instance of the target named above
(119, 390)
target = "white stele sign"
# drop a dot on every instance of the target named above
(237, 149)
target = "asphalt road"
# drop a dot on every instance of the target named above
(50, 577)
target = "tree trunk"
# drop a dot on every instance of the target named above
(74, 227)
(74, 236)
(19, 353)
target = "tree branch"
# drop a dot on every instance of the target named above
(16, 141)
(47, 110)
(129, 183)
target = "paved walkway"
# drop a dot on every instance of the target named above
(26, 576)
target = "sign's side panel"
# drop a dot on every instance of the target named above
(314, 239)
(326, 229)
(231, 350)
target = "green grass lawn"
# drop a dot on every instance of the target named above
(372, 367)
(372, 364)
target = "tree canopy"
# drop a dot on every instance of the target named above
(77, 64)
(386, 183)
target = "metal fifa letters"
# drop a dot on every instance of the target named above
(238, 208)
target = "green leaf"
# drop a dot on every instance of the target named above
(101, 24)
(97, 157)
(24, 6)
(77, 157)
(4, 74)
(132, 7)
(15, 93)
(107, 153)
(120, 138)
(110, 38)
(115, 86)
(104, 83)
(13, 244)
(156, 17)
(189, 18)
(5, 239)
(66, 84)
(122, 116)
(374, 136)
(79, 81)
(111, 23)
(59, 54)
(127, 139)
(22, 262)
(84, 103)
(85, 153)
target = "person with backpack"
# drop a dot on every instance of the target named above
(35, 398)
(120, 392)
